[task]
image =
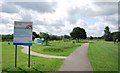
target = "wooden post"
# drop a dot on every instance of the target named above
(15, 56)
(29, 57)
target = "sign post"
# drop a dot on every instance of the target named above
(29, 57)
(22, 36)
(15, 56)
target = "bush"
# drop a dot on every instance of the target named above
(73, 41)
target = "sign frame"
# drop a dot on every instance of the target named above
(20, 31)
(23, 33)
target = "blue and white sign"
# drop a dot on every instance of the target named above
(22, 33)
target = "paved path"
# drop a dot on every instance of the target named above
(78, 60)
(25, 50)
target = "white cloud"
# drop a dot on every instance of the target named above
(38, 6)
(60, 17)
(8, 8)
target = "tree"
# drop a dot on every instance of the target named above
(107, 35)
(78, 33)
(7, 37)
(91, 38)
(34, 35)
(116, 35)
(66, 37)
(54, 37)
(45, 36)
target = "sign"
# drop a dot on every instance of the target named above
(22, 33)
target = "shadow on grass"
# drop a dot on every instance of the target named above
(22, 70)
(105, 71)
(35, 69)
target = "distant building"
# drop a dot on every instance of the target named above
(38, 41)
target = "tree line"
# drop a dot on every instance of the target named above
(108, 36)
(76, 34)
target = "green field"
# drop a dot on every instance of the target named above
(0, 56)
(58, 48)
(37, 63)
(103, 56)
(119, 57)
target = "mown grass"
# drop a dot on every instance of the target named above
(0, 56)
(119, 57)
(103, 56)
(58, 48)
(37, 63)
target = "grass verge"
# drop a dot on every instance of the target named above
(37, 63)
(103, 56)
(58, 48)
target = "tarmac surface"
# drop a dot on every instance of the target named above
(78, 60)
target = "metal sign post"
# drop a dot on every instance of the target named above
(15, 56)
(29, 57)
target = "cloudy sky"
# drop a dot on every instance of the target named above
(60, 16)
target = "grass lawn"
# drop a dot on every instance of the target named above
(37, 63)
(58, 48)
(103, 56)
(0, 56)
(119, 56)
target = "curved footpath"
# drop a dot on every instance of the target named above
(25, 50)
(78, 60)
